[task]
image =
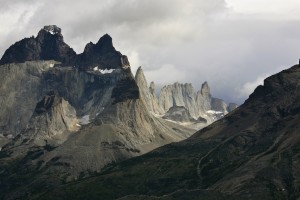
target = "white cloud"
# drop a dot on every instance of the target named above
(167, 73)
(249, 87)
(288, 9)
(201, 40)
(133, 56)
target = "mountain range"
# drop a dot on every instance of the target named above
(251, 153)
(81, 126)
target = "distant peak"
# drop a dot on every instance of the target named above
(52, 29)
(204, 84)
(139, 76)
(106, 36)
(105, 40)
(205, 88)
(140, 69)
(140, 79)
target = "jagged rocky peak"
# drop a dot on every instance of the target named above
(49, 34)
(103, 55)
(147, 94)
(205, 90)
(52, 29)
(140, 78)
(48, 45)
(105, 43)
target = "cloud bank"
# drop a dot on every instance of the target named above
(231, 44)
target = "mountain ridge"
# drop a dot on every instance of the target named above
(49, 45)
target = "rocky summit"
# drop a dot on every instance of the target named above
(47, 45)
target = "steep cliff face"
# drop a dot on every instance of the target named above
(219, 105)
(52, 122)
(200, 104)
(147, 93)
(53, 119)
(204, 98)
(178, 95)
(23, 85)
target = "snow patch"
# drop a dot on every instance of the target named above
(106, 71)
(84, 120)
(10, 136)
(103, 71)
(51, 29)
(214, 112)
(51, 65)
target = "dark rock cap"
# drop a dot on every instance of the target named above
(49, 45)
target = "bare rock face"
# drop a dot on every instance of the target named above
(200, 105)
(219, 105)
(147, 93)
(204, 98)
(178, 95)
(87, 91)
(196, 109)
(179, 114)
(53, 119)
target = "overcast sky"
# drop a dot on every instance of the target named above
(232, 44)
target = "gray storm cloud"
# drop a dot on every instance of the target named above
(174, 40)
